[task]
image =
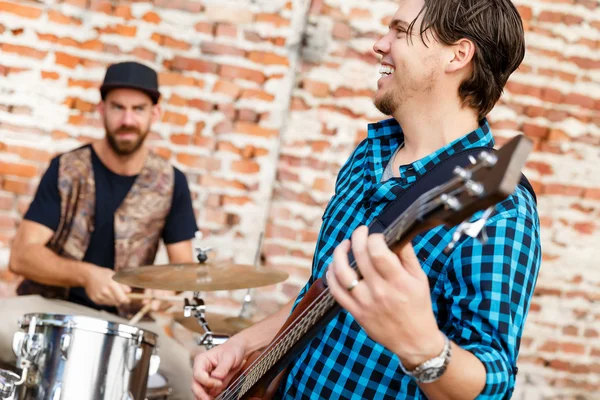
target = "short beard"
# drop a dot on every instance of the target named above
(125, 150)
(388, 104)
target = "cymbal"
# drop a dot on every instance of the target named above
(217, 323)
(209, 276)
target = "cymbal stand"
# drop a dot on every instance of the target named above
(197, 308)
(246, 312)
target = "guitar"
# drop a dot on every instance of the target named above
(490, 179)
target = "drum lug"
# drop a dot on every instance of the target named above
(154, 364)
(17, 344)
(65, 343)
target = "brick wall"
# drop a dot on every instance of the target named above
(264, 100)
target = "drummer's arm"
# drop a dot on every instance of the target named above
(180, 252)
(30, 258)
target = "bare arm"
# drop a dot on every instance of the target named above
(29, 257)
(180, 252)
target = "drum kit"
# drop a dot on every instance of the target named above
(75, 357)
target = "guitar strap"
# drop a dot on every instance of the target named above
(438, 175)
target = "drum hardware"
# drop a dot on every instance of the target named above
(80, 357)
(196, 308)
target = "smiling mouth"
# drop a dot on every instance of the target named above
(386, 70)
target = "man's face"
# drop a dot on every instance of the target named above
(128, 115)
(409, 69)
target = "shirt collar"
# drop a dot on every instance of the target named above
(391, 130)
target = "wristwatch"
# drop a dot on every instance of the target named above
(432, 369)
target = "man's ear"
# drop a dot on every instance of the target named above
(461, 54)
(156, 113)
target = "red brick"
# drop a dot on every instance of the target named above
(220, 49)
(255, 130)
(247, 115)
(273, 19)
(228, 88)
(592, 193)
(152, 17)
(59, 18)
(205, 27)
(228, 110)
(7, 202)
(580, 100)
(67, 60)
(225, 30)
(20, 10)
(21, 170)
(552, 95)
(585, 63)
(178, 101)
(228, 147)
(585, 228)
(231, 72)
(263, 57)
(24, 51)
(123, 11)
(170, 117)
(192, 64)
(565, 190)
(317, 89)
(535, 131)
(257, 94)
(16, 186)
(175, 79)
(245, 167)
(180, 139)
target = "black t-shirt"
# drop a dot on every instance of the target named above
(111, 190)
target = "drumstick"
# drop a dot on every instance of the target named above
(142, 296)
(137, 317)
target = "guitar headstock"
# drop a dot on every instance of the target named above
(491, 178)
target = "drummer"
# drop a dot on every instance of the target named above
(103, 207)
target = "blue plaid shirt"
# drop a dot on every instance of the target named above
(480, 292)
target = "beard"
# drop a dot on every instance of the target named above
(388, 103)
(125, 147)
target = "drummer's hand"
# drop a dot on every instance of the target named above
(214, 369)
(102, 289)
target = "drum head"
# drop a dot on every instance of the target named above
(88, 324)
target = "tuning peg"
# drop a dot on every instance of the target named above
(474, 229)
(474, 188)
(451, 201)
(488, 159)
(462, 173)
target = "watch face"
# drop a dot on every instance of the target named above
(430, 374)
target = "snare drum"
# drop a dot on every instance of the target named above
(158, 388)
(84, 358)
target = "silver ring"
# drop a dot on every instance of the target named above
(353, 284)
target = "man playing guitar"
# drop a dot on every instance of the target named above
(420, 322)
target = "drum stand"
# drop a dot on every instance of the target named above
(26, 350)
(197, 309)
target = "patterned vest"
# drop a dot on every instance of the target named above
(138, 221)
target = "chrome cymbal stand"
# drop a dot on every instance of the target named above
(246, 312)
(197, 308)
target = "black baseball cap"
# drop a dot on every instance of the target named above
(131, 75)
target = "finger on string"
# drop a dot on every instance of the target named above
(341, 294)
(340, 266)
(385, 262)
(409, 260)
(362, 257)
